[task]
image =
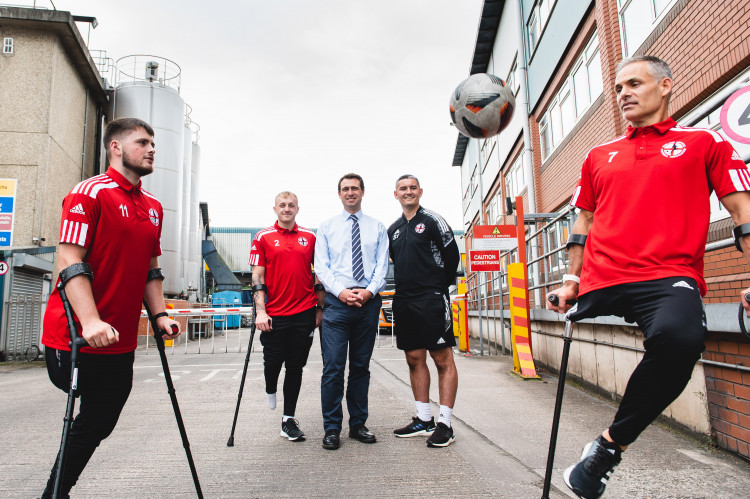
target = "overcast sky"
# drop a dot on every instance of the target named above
(290, 95)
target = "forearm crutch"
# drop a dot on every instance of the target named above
(158, 333)
(567, 339)
(230, 442)
(741, 317)
(75, 344)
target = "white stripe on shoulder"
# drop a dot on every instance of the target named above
(302, 229)
(621, 137)
(95, 190)
(716, 135)
(263, 232)
(81, 187)
(439, 219)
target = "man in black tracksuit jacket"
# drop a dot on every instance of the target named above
(425, 257)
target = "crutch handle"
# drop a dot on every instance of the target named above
(747, 297)
(79, 342)
(173, 327)
(554, 299)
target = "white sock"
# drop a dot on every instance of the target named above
(423, 410)
(271, 399)
(284, 419)
(445, 415)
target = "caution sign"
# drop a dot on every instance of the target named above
(523, 361)
(495, 237)
(484, 261)
(735, 116)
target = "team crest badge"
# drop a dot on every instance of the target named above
(302, 241)
(396, 234)
(153, 216)
(673, 149)
(419, 228)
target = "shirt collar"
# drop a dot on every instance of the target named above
(661, 128)
(419, 210)
(121, 180)
(359, 215)
(282, 229)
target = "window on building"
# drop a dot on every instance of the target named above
(7, 46)
(581, 87)
(540, 14)
(515, 180)
(638, 18)
(512, 79)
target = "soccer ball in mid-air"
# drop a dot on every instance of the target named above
(482, 106)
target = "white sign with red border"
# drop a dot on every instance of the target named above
(4, 267)
(495, 237)
(735, 116)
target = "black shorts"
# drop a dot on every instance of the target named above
(423, 323)
(669, 311)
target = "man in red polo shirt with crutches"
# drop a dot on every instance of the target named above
(110, 228)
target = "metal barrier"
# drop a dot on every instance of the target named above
(23, 326)
(200, 319)
(488, 291)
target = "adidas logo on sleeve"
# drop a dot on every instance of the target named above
(78, 209)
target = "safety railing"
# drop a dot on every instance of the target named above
(488, 293)
(206, 323)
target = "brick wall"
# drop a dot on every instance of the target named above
(729, 393)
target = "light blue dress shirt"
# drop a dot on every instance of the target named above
(333, 253)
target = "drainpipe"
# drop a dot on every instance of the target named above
(85, 134)
(522, 104)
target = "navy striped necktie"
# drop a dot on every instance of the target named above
(358, 270)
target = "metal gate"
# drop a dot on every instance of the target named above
(23, 315)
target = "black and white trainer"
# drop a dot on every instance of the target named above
(416, 428)
(290, 429)
(588, 478)
(441, 437)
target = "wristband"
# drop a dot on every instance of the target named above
(161, 314)
(571, 277)
(318, 307)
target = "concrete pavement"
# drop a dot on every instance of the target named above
(501, 425)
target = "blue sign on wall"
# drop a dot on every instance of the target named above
(5, 238)
(6, 204)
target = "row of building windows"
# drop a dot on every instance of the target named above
(581, 87)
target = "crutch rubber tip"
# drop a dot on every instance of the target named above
(230, 442)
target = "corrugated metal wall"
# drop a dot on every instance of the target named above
(233, 244)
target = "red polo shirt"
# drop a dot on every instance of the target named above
(649, 191)
(287, 256)
(120, 226)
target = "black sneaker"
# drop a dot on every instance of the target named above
(441, 437)
(290, 429)
(588, 478)
(416, 428)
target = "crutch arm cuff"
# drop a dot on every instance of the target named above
(154, 273)
(576, 239)
(259, 287)
(739, 232)
(161, 314)
(71, 271)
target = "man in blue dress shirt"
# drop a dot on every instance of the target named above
(351, 261)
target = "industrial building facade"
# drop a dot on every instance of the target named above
(560, 58)
(56, 102)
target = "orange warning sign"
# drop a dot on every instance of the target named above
(523, 361)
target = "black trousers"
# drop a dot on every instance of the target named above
(671, 315)
(104, 383)
(288, 343)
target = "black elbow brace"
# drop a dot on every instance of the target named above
(259, 287)
(74, 270)
(739, 232)
(576, 239)
(155, 273)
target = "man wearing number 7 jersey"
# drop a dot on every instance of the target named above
(637, 247)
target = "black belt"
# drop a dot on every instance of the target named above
(357, 287)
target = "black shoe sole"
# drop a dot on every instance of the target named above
(331, 447)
